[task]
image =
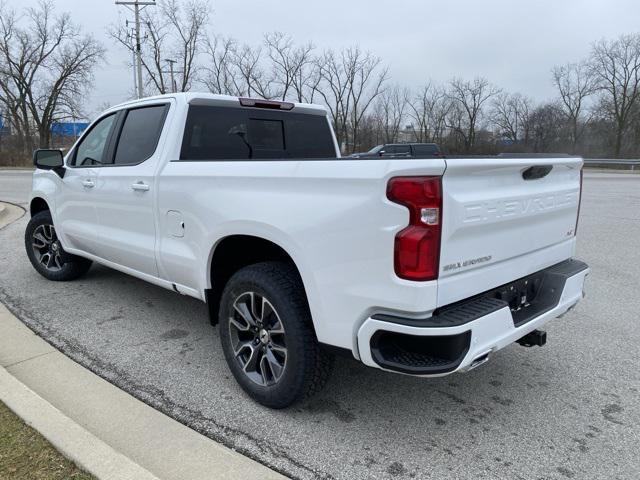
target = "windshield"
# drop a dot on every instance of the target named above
(376, 149)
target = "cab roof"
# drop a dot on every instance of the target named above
(204, 98)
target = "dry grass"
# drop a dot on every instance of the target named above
(26, 455)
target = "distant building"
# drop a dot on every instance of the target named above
(407, 134)
(68, 129)
(4, 127)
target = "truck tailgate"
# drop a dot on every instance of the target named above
(504, 218)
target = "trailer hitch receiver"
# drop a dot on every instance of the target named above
(537, 337)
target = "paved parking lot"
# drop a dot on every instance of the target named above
(568, 410)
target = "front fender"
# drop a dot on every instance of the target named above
(45, 184)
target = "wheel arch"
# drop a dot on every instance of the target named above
(233, 252)
(37, 205)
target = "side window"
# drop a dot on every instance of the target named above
(92, 147)
(403, 150)
(140, 134)
(389, 149)
(214, 133)
(425, 150)
(309, 136)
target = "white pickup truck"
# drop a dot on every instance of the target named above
(419, 266)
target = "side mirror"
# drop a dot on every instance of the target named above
(381, 153)
(49, 159)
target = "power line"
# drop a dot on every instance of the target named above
(131, 37)
(136, 6)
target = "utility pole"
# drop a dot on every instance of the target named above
(131, 37)
(135, 74)
(173, 81)
(135, 6)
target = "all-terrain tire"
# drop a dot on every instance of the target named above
(274, 290)
(46, 254)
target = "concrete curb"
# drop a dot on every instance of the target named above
(74, 442)
(9, 213)
(104, 430)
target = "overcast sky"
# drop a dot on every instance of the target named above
(514, 43)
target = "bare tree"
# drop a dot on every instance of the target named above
(307, 80)
(154, 51)
(546, 123)
(220, 70)
(390, 112)
(615, 66)
(457, 128)
(365, 78)
(510, 113)
(46, 68)
(173, 31)
(289, 64)
(468, 99)
(524, 112)
(189, 25)
(575, 82)
(255, 79)
(351, 81)
(334, 92)
(429, 110)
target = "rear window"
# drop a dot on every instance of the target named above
(266, 134)
(224, 133)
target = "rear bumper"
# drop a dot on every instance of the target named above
(464, 335)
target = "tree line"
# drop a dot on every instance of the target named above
(47, 65)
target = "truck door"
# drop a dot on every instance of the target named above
(75, 206)
(125, 191)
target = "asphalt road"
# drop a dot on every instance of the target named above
(568, 410)
(15, 186)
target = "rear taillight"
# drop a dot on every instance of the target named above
(575, 230)
(417, 247)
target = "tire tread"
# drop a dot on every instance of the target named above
(317, 363)
(74, 266)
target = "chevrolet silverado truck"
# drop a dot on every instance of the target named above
(421, 266)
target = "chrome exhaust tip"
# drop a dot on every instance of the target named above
(479, 360)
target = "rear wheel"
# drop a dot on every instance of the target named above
(46, 253)
(267, 335)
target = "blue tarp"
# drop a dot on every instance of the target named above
(68, 129)
(4, 129)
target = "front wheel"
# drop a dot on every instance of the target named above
(46, 254)
(268, 338)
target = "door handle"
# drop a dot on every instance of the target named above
(140, 186)
(88, 184)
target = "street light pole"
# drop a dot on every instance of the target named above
(136, 4)
(173, 81)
